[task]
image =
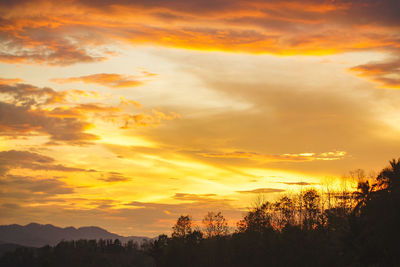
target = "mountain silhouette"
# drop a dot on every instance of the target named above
(37, 235)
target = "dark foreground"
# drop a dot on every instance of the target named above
(339, 229)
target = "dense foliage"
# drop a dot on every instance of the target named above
(101, 253)
(310, 229)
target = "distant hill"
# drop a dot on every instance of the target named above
(37, 235)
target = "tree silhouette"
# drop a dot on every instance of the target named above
(284, 212)
(183, 227)
(378, 218)
(215, 224)
(311, 208)
(389, 178)
(257, 220)
(362, 196)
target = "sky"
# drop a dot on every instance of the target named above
(127, 114)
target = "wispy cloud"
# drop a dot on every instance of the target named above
(262, 191)
(335, 155)
(10, 81)
(12, 159)
(114, 177)
(298, 183)
(107, 79)
(195, 197)
(23, 185)
(386, 74)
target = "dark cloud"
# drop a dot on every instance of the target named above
(114, 177)
(379, 11)
(195, 197)
(28, 160)
(29, 110)
(298, 183)
(19, 120)
(60, 55)
(300, 157)
(103, 203)
(29, 95)
(10, 205)
(23, 185)
(178, 5)
(22, 112)
(262, 191)
(371, 12)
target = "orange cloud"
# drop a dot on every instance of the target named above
(105, 79)
(10, 81)
(82, 110)
(125, 102)
(76, 93)
(80, 31)
(386, 74)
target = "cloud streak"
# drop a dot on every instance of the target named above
(386, 74)
(4, 81)
(45, 187)
(262, 191)
(114, 177)
(106, 79)
(335, 155)
(12, 159)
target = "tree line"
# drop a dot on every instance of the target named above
(311, 228)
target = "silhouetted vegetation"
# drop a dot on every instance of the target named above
(94, 253)
(309, 229)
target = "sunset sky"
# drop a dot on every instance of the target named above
(126, 114)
